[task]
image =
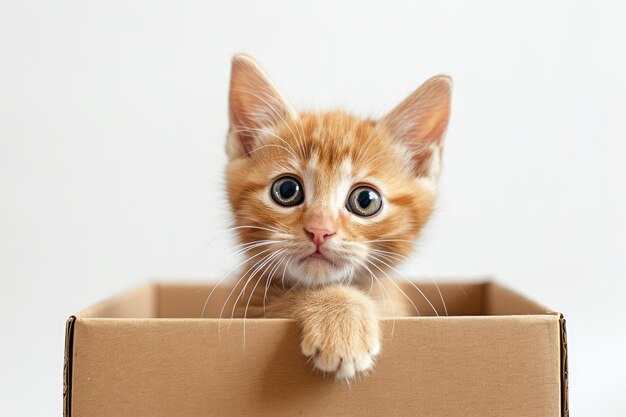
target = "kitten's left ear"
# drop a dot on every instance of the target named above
(420, 123)
(254, 104)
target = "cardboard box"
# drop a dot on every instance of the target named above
(147, 353)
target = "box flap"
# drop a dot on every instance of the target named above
(500, 300)
(139, 302)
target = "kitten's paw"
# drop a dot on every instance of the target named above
(341, 359)
(343, 339)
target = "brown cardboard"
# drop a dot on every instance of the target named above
(147, 353)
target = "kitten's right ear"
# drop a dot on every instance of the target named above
(254, 104)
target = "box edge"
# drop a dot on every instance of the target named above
(67, 366)
(564, 368)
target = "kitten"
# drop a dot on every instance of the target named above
(326, 204)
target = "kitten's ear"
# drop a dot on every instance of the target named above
(420, 123)
(254, 104)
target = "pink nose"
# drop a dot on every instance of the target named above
(318, 235)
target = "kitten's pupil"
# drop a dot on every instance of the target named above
(365, 198)
(288, 189)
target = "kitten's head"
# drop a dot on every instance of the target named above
(328, 197)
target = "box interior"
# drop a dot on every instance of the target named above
(168, 300)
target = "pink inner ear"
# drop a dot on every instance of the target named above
(247, 141)
(254, 102)
(421, 120)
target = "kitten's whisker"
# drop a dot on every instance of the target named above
(233, 289)
(247, 226)
(254, 245)
(250, 277)
(410, 282)
(383, 292)
(243, 246)
(275, 230)
(243, 277)
(396, 285)
(245, 313)
(395, 257)
(386, 240)
(226, 276)
(272, 270)
(229, 229)
(443, 301)
(445, 307)
(389, 255)
(270, 276)
(282, 280)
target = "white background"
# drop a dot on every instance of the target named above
(112, 124)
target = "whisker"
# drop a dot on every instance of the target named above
(247, 226)
(226, 276)
(383, 289)
(389, 255)
(386, 240)
(282, 280)
(245, 313)
(396, 285)
(254, 245)
(243, 277)
(383, 292)
(250, 277)
(271, 270)
(275, 230)
(410, 282)
(271, 275)
(443, 301)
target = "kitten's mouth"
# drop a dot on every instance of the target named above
(317, 256)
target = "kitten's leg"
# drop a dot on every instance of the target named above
(340, 329)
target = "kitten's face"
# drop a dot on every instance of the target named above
(324, 198)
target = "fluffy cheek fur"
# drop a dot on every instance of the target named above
(333, 153)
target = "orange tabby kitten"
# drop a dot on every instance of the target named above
(326, 204)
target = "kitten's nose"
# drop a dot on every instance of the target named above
(319, 235)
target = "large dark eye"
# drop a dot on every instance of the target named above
(364, 201)
(287, 191)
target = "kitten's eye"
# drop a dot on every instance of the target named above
(364, 201)
(287, 192)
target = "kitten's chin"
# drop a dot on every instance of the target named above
(315, 271)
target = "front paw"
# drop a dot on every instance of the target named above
(342, 336)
